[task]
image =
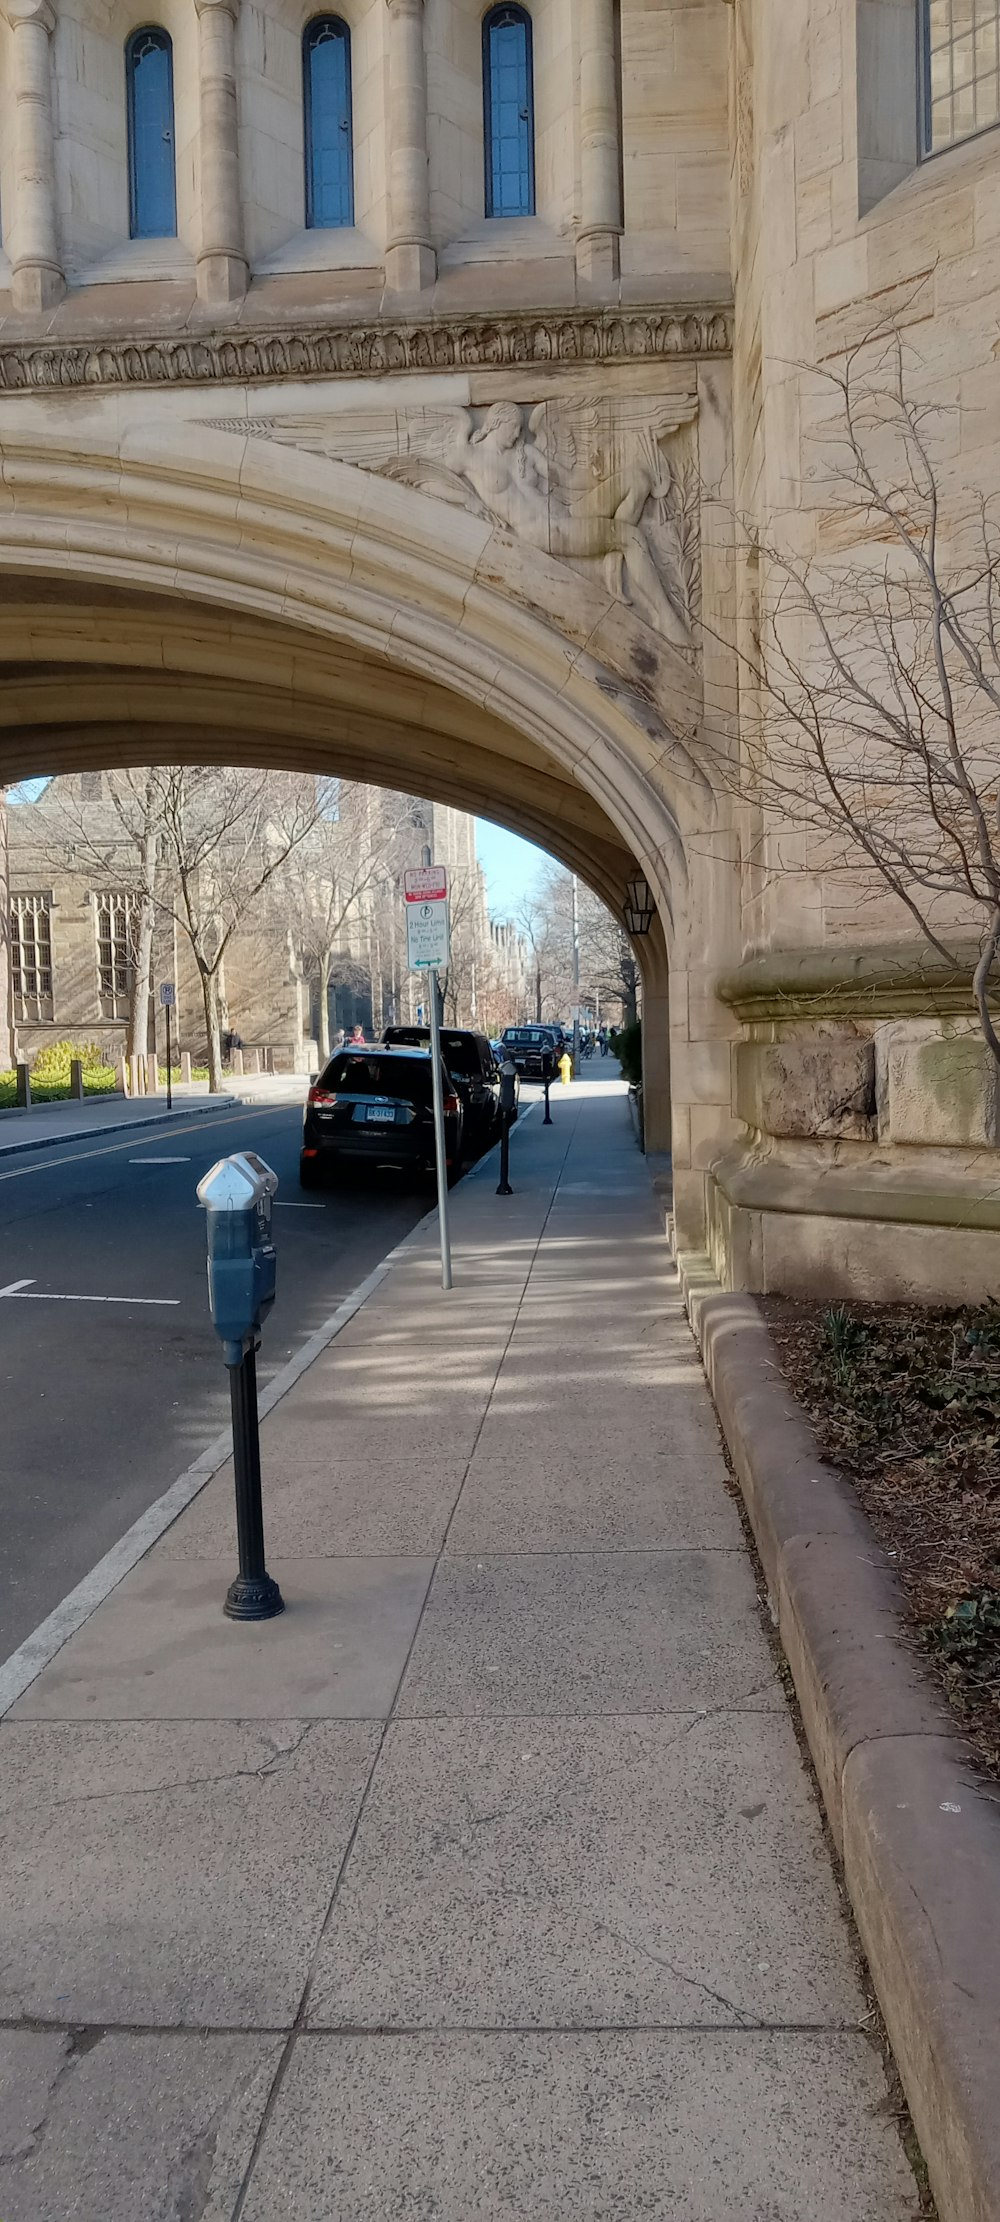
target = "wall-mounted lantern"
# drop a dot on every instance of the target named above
(639, 905)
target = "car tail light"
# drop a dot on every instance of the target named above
(451, 1106)
(320, 1095)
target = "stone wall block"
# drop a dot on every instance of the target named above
(807, 1089)
(936, 1088)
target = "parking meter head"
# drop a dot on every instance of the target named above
(508, 1084)
(236, 1195)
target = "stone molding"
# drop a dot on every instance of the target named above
(866, 984)
(373, 350)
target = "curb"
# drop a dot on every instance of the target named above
(121, 1126)
(919, 1836)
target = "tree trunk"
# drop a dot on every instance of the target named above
(324, 1008)
(538, 995)
(210, 996)
(137, 1036)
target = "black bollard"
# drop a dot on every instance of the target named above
(254, 1595)
(505, 1188)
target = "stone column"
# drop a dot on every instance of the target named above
(222, 262)
(410, 261)
(38, 279)
(598, 239)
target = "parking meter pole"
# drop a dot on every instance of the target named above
(254, 1595)
(548, 1119)
(170, 1094)
(440, 1157)
(504, 1188)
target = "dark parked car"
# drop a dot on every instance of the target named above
(376, 1105)
(474, 1070)
(534, 1049)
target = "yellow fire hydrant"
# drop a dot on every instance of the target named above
(565, 1068)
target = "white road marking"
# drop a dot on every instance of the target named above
(288, 1203)
(52, 1296)
(159, 1161)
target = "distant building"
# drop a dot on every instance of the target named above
(72, 912)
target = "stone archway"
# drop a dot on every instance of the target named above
(190, 595)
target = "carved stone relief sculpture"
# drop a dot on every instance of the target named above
(608, 485)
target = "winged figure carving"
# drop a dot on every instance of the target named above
(593, 482)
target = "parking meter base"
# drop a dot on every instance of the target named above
(253, 1597)
(505, 1189)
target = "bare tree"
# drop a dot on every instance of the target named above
(871, 683)
(535, 922)
(226, 835)
(115, 845)
(339, 872)
(609, 972)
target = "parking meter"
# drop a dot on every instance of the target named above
(237, 1197)
(508, 1086)
(242, 1265)
(548, 1076)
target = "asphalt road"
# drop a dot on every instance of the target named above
(104, 1404)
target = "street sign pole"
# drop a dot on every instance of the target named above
(168, 997)
(439, 1143)
(428, 948)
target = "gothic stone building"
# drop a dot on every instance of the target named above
(72, 909)
(400, 390)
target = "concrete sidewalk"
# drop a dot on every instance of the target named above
(487, 1882)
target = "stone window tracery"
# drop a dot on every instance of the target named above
(959, 71)
(149, 84)
(329, 137)
(31, 957)
(116, 922)
(509, 112)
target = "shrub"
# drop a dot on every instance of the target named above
(52, 1064)
(628, 1049)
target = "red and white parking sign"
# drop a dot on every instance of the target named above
(427, 885)
(427, 940)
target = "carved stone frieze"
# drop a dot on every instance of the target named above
(600, 482)
(367, 350)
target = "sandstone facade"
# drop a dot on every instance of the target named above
(462, 504)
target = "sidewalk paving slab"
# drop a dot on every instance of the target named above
(550, 1926)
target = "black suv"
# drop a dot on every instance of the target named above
(534, 1049)
(474, 1070)
(377, 1105)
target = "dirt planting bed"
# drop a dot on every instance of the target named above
(907, 1403)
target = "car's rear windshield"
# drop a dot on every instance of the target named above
(530, 1035)
(409, 1077)
(460, 1052)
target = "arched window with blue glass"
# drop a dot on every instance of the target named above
(326, 68)
(149, 84)
(509, 113)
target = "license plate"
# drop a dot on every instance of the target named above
(382, 1113)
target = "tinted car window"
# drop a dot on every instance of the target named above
(373, 1075)
(460, 1053)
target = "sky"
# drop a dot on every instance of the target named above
(511, 866)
